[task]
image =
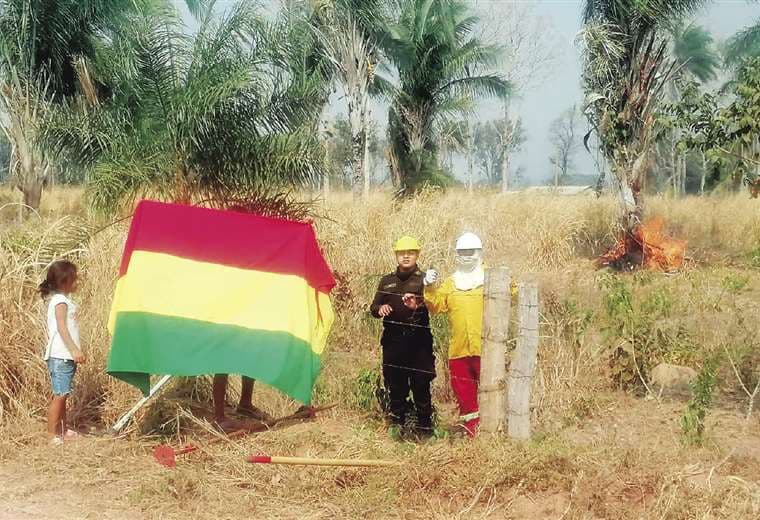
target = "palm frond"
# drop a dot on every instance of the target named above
(192, 116)
(743, 45)
(693, 49)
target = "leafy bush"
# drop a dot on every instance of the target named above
(369, 393)
(636, 333)
(754, 257)
(693, 420)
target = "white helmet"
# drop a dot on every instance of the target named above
(469, 241)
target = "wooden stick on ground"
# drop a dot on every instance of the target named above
(303, 461)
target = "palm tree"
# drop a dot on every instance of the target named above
(442, 69)
(743, 45)
(352, 50)
(693, 49)
(212, 117)
(41, 41)
(626, 70)
(695, 58)
(43, 47)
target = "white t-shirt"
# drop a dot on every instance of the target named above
(55, 347)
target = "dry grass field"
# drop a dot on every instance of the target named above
(603, 446)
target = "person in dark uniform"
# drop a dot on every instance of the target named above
(408, 360)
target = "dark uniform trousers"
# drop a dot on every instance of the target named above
(408, 360)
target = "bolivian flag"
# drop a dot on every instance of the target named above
(204, 291)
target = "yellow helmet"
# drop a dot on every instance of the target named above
(407, 243)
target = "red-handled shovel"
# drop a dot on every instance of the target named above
(167, 455)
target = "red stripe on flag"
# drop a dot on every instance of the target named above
(229, 238)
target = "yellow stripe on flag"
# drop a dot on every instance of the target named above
(167, 285)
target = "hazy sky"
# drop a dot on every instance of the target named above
(559, 88)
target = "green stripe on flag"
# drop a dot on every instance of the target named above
(145, 344)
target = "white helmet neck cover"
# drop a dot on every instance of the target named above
(469, 272)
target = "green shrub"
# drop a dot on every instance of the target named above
(693, 419)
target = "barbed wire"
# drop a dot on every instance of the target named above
(422, 297)
(509, 374)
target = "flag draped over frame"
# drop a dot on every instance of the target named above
(204, 291)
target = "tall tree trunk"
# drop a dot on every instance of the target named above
(506, 144)
(326, 174)
(366, 166)
(357, 164)
(357, 109)
(32, 192)
(470, 167)
(633, 208)
(634, 199)
(704, 176)
(393, 170)
(30, 172)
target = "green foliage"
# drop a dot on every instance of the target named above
(743, 45)
(693, 419)
(442, 69)
(5, 157)
(194, 117)
(638, 331)
(693, 49)
(724, 134)
(659, 303)
(368, 392)
(626, 52)
(734, 283)
(43, 38)
(695, 115)
(618, 300)
(743, 114)
(339, 147)
(489, 146)
(754, 257)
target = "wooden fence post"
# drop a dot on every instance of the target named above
(523, 363)
(492, 392)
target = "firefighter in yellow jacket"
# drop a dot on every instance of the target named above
(461, 297)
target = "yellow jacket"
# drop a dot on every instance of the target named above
(465, 309)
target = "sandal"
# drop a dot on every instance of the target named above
(56, 441)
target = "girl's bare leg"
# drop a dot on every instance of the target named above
(57, 415)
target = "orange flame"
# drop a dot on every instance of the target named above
(647, 246)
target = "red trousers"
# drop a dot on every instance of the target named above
(465, 377)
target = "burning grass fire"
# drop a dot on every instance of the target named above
(647, 246)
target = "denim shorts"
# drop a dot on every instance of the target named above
(61, 375)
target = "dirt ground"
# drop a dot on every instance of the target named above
(625, 461)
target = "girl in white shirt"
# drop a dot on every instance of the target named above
(63, 351)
